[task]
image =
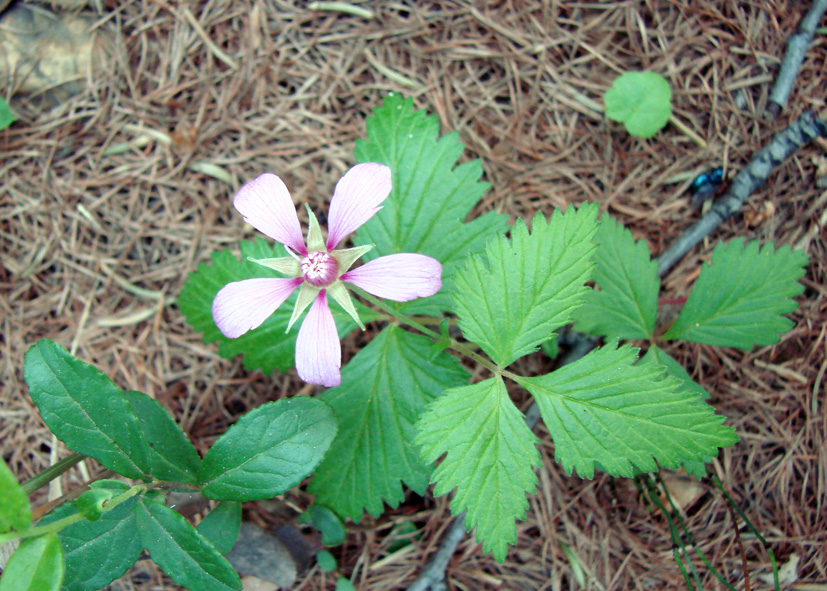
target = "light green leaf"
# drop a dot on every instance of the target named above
(490, 459)
(268, 451)
(171, 454)
(6, 115)
(15, 511)
(431, 195)
(604, 411)
(513, 298)
(269, 346)
(221, 525)
(384, 389)
(642, 101)
(740, 296)
(343, 584)
(626, 304)
(85, 410)
(97, 553)
(674, 369)
(37, 565)
(184, 554)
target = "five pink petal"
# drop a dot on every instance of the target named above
(266, 204)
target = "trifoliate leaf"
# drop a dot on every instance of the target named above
(512, 298)
(674, 369)
(222, 525)
(739, 298)
(642, 101)
(431, 196)
(184, 554)
(604, 411)
(85, 410)
(384, 389)
(269, 450)
(490, 459)
(267, 347)
(97, 553)
(171, 454)
(626, 304)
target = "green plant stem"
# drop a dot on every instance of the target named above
(51, 473)
(719, 485)
(451, 343)
(58, 525)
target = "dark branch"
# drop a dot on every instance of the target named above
(751, 178)
(797, 46)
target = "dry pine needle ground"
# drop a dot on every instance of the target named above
(260, 85)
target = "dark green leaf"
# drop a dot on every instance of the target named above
(674, 369)
(326, 561)
(221, 525)
(511, 299)
(171, 454)
(739, 298)
(606, 411)
(37, 565)
(98, 553)
(184, 554)
(325, 521)
(15, 511)
(385, 388)
(490, 456)
(268, 347)
(431, 195)
(268, 451)
(85, 410)
(626, 305)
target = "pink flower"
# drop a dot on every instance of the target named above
(320, 270)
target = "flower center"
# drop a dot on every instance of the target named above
(319, 269)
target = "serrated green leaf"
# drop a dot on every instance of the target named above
(184, 554)
(513, 298)
(268, 347)
(642, 101)
(626, 305)
(431, 196)
(604, 411)
(6, 115)
(97, 553)
(490, 459)
(739, 298)
(85, 410)
(36, 565)
(384, 389)
(221, 525)
(171, 454)
(268, 450)
(15, 511)
(674, 369)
